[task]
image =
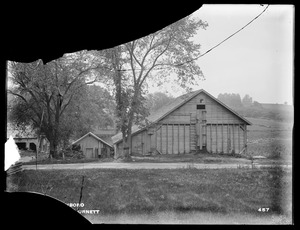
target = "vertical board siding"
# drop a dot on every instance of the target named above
(184, 139)
(220, 139)
(175, 137)
(217, 139)
(245, 138)
(180, 129)
(161, 143)
(167, 139)
(158, 139)
(239, 139)
(214, 138)
(204, 135)
(222, 133)
(170, 138)
(164, 139)
(187, 139)
(228, 138)
(225, 139)
(181, 147)
(208, 139)
(242, 142)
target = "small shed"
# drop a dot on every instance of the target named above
(93, 146)
(194, 122)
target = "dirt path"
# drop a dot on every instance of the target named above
(117, 165)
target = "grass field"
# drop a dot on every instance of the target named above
(115, 191)
(269, 138)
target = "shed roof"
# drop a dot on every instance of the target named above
(170, 107)
(93, 135)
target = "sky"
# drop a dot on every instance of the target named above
(257, 61)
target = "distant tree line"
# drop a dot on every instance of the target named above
(249, 108)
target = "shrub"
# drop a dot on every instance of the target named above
(72, 152)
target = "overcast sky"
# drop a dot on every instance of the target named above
(257, 61)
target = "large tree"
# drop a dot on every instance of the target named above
(94, 107)
(168, 52)
(43, 92)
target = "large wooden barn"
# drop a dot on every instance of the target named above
(194, 122)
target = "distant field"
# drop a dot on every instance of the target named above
(270, 138)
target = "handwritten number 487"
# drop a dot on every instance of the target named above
(263, 209)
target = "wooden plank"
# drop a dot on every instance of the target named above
(167, 139)
(190, 131)
(239, 149)
(183, 138)
(207, 138)
(187, 140)
(233, 142)
(181, 134)
(216, 138)
(176, 149)
(245, 138)
(211, 138)
(172, 139)
(155, 139)
(161, 138)
(175, 122)
(222, 138)
(204, 135)
(228, 139)
(200, 135)
(178, 139)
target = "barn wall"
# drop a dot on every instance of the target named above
(226, 138)
(208, 130)
(173, 138)
(90, 142)
(215, 113)
(187, 129)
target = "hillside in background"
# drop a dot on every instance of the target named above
(278, 112)
(248, 108)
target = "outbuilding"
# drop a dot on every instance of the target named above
(194, 122)
(93, 146)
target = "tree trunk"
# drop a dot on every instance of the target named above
(125, 153)
(127, 147)
(56, 129)
(52, 148)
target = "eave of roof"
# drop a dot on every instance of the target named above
(93, 135)
(118, 137)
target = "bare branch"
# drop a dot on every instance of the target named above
(131, 54)
(155, 60)
(23, 98)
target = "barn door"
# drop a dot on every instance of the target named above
(89, 152)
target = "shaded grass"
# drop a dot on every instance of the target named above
(67, 160)
(269, 138)
(115, 191)
(189, 158)
(271, 144)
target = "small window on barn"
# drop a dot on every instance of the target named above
(201, 101)
(200, 106)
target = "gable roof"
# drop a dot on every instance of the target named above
(170, 107)
(93, 135)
